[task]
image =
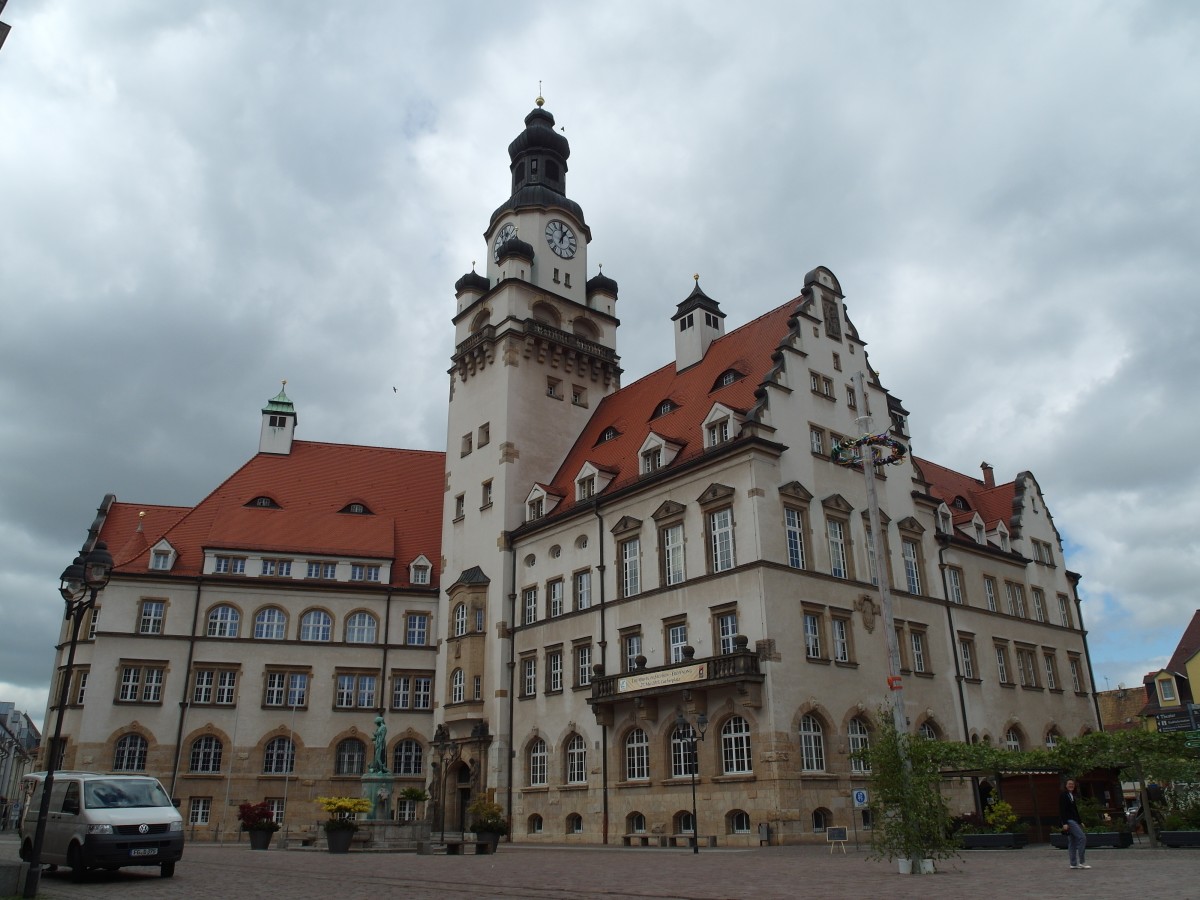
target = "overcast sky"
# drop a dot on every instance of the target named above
(199, 199)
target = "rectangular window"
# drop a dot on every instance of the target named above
(554, 597)
(530, 605)
(322, 569)
(631, 567)
(917, 640)
(1002, 664)
(466, 445)
(912, 568)
(417, 630)
(816, 441)
(477, 688)
(1076, 675)
(841, 639)
(401, 691)
(281, 568)
(578, 395)
(793, 524)
(585, 488)
(651, 460)
(411, 690)
(720, 528)
(1016, 599)
(554, 388)
(727, 629)
(583, 589)
(812, 636)
(81, 680)
(286, 689)
(676, 641)
(872, 561)
(954, 578)
(536, 509)
(161, 560)
(93, 619)
(837, 548)
(150, 621)
(141, 684)
(554, 670)
(230, 565)
(199, 810)
(423, 692)
(529, 668)
(583, 665)
(1051, 670)
(966, 650)
(485, 498)
(989, 590)
(672, 553)
(460, 506)
(485, 434)
(1039, 604)
(718, 432)
(1064, 610)
(851, 397)
(633, 649)
(1027, 666)
(214, 686)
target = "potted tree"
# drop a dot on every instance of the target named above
(1182, 825)
(995, 832)
(340, 825)
(258, 820)
(487, 820)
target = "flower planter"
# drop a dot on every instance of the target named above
(1008, 840)
(1179, 838)
(339, 839)
(260, 838)
(1116, 839)
(492, 838)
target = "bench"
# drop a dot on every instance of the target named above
(642, 839)
(458, 847)
(685, 840)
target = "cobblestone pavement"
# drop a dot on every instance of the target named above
(606, 873)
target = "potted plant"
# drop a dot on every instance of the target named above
(995, 831)
(259, 821)
(1182, 826)
(340, 825)
(1099, 832)
(487, 820)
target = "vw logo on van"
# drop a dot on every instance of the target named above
(143, 828)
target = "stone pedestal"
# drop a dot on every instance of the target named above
(377, 787)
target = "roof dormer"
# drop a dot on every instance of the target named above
(999, 534)
(540, 502)
(162, 556)
(591, 480)
(656, 453)
(720, 425)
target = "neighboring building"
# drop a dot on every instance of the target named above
(1171, 702)
(19, 739)
(585, 562)
(1121, 710)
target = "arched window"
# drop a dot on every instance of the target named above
(537, 763)
(270, 624)
(457, 686)
(637, 756)
(316, 626)
(206, 755)
(223, 622)
(684, 823)
(812, 745)
(535, 824)
(859, 740)
(576, 760)
(407, 758)
(927, 731)
(738, 822)
(1012, 739)
(820, 819)
(683, 764)
(131, 754)
(735, 747)
(350, 758)
(361, 628)
(460, 620)
(1052, 738)
(574, 824)
(279, 757)
(635, 823)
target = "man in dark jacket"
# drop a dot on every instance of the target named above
(1068, 811)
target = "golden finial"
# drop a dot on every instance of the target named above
(696, 277)
(285, 382)
(539, 101)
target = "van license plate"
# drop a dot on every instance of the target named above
(144, 851)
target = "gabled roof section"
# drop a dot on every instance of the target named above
(993, 504)
(403, 488)
(1187, 647)
(631, 410)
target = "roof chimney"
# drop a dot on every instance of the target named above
(988, 478)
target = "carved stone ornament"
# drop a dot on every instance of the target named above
(866, 606)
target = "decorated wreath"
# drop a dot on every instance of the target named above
(849, 452)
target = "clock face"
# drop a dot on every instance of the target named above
(561, 238)
(507, 232)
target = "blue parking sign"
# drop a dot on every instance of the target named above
(860, 798)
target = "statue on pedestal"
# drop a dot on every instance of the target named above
(379, 763)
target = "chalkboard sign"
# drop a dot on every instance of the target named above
(835, 833)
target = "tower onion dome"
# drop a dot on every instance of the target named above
(601, 284)
(514, 246)
(472, 281)
(539, 169)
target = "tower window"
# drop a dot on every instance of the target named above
(556, 276)
(686, 322)
(533, 168)
(277, 421)
(711, 321)
(567, 279)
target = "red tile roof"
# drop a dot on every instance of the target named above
(1189, 643)
(631, 410)
(993, 504)
(403, 489)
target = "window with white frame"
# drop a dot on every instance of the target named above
(151, 616)
(1039, 604)
(727, 630)
(141, 684)
(530, 604)
(223, 622)
(583, 665)
(631, 567)
(793, 524)
(989, 592)
(1166, 690)
(836, 531)
(872, 562)
(460, 617)
(316, 625)
(554, 670)
(912, 566)
(841, 638)
(230, 565)
(361, 628)
(576, 760)
(720, 531)
(637, 756)
(416, 632)
(1016, 599)
(205, 755)
(199, 810)
(717, 433)
(917, 641)
(859, 741)
(966, 652)
(270, 624)
(130, 755)
(93, 621)
(954, 579)
(554, 597)
(322, 569)
(1012, 740)
(651, 460)
(536, 768)
(683, 761)
(1064, 610)
(214, 686)
(1002, 664)
(676, 641)
(735, 747)
(281, 568)
(583, 589)
(408, 758)
(633, 649)
(812, 635)
(350, 757)
(355, 690)
(812, 744)
(529, 676)
(816, 440)
(1076, 675)
(672, 553)
(1051, 662)
(458, 685)
(279, 757)
(284, 688)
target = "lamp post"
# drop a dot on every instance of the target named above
(694, 733)
(80, 584)
(447, 751)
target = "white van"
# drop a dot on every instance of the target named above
(102, 821)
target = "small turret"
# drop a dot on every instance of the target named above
(278, 424)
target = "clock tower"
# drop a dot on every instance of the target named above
(535, 353)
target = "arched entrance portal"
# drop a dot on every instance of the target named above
(462, 795)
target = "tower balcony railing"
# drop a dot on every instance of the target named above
(583, 345)
(739, 668)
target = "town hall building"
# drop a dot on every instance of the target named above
(591, 579)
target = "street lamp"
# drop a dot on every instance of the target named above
(692, 734)
(80, 584)
(448, 752)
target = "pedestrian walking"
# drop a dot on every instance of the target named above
(1068, 811)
